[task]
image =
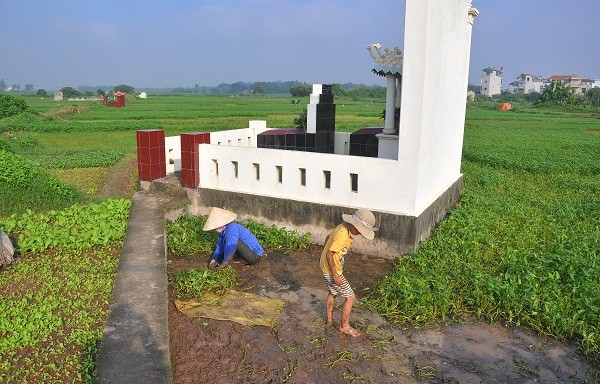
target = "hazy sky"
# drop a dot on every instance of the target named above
(53, 44)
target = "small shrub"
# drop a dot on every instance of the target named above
(24, 186)
(11, 105)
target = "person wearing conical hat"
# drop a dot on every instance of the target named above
(234, 239)
(337, 243)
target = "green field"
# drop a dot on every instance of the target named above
(522, 247)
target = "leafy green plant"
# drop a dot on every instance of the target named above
(24, 186)
(79, 159)
(185, 237)
(278, 238)
(11, 105)
(193, 283)
(520, 248)
(79, 227)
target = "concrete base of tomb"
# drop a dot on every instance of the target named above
(397, 234)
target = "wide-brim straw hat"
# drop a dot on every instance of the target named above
(364, 221)
(218, 217)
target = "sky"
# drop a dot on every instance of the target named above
(180, 43)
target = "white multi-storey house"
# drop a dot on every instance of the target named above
(527, 83)
(491, 81)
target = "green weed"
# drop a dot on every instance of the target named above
(193, 283)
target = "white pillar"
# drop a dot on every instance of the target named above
(398, 91)
(390, 110)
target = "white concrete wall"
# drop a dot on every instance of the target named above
(341, 143)
(173, 153)
(243, 137)
(375, 191)
(436, 62)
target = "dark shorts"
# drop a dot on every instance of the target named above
(244, 252)
(343, 290)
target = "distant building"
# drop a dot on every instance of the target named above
(579, 85)
(527, 83)
(58, 96)
(491, 81)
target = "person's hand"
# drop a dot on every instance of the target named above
(337, 280)
(213, 265)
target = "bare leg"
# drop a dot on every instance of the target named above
(329, 308)
(346, 309)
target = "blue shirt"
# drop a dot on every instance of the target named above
(228, 241)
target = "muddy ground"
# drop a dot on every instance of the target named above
(302, 349)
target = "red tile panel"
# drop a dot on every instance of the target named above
(190, 176)
(151, 154)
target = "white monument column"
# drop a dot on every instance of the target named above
(388, 63)
(390, 106)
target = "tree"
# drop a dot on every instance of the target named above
(124, 88)
(42, 93)
(301, 122)
(593, 94)
(69, 92)
(474, 88)
(238, 88)
(301, 90)
(532, 97)
(100, 92)
(556, 92)
(258, 90)
(338, 90)
(2, 85)
(12, 105)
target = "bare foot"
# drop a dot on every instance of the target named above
(350, 332)
(329, 322)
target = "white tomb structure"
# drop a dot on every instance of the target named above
(409, 188)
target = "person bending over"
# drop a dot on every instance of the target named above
(234, 239)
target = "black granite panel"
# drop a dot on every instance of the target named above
(290, 140)
(300, 139)
(261, 141)
(321, 139)
(325, 98)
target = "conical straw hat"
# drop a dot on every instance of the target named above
(217, 218)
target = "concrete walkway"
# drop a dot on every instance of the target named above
(135, 344)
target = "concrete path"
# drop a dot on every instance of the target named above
(135, 344)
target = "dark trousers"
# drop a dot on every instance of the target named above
(246, 253)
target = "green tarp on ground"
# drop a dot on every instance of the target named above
(241, 307)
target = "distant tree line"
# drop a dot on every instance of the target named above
(295, 88)
(350, 90)
(70, 92)
(242, 88)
